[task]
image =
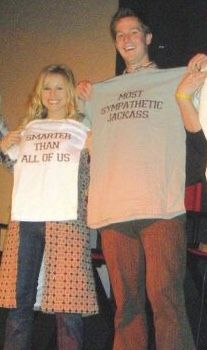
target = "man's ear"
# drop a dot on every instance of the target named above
(148, 38)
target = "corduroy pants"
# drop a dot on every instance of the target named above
(150, 259)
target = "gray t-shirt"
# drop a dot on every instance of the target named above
(138, 148)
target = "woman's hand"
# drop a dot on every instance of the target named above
(10, 139)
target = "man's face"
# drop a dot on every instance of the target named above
(131, 41)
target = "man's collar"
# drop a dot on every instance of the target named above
(149, 64)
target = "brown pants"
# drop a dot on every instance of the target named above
(150, 260)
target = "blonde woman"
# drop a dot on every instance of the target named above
(48, 217)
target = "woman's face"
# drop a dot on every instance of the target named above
(54, 96)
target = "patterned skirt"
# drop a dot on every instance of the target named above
(68, 283)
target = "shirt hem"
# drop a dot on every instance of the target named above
(109, 221)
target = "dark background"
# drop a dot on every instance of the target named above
(179, 29)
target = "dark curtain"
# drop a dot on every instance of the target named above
(179, 29)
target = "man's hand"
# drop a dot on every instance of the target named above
(190, 83)
(194, 78)
(198, 63)
(84, 90)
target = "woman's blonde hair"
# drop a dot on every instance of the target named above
(36, 109)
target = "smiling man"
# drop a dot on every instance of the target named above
(132, 38)
(136, 194)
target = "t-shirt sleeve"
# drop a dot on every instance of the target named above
(4, 158)
(197, 140)
(87, 120)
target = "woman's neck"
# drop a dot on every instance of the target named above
(56, 116)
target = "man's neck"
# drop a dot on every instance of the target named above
(133, 67)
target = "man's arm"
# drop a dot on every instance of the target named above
(192, 81)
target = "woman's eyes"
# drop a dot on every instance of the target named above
(47, 88)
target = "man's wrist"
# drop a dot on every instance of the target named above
(180, 96)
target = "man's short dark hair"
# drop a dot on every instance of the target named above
(122, 13)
